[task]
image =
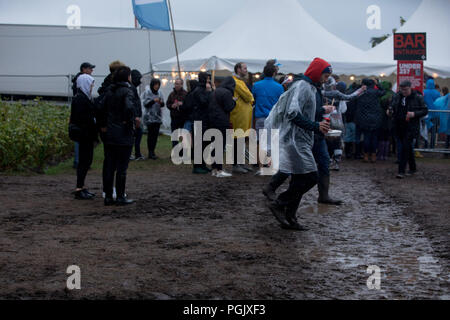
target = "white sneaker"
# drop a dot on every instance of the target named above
(223, 174)
(214, 173)
(258, 173)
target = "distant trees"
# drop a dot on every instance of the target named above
(374, 41)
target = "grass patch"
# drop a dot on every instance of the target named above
(163, 150)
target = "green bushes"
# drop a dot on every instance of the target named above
(31, 136)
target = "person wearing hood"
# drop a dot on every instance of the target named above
(241, 116)
(82, 117)
(385, 131)
(221, 104)
(430, 94)
(136, 77)
(199, 104)
(153, 102)
(331, 93)
(174, 102)
(298, 116)
(117, 120)
(369, 117)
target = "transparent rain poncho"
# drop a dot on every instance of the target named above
(295, 143)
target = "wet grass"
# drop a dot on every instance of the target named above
(163, 150)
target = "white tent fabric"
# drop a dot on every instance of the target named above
(431, 17)
(267, 29)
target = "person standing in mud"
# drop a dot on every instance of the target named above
(199, 104)
(136, 77)
(174, 103)
(320, 150)
(295, 116)
(408, 107)
(82, 118)
(117, 120)
(241, 116)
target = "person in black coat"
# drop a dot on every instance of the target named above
(82, 118)
(200, 105)
(369, 117)
(113, 66)
(117, 120)
(136, 77)
(220, 105)
(408, 107)
(85, 68)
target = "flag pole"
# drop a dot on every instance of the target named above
(174, 39)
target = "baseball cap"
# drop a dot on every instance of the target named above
(86, 65)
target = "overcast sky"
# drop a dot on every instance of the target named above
(346, 21)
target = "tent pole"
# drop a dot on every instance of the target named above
(174, 39)
(150, 52)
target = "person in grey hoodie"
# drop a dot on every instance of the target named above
(153, 102)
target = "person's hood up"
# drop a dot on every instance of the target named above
(203, 77)
(152, 84)
(341, 86)
(316, 68)
(136, 77)
(330, 84)
(430, 84)
(84, 83)
(228, 83)
(368, 82)
(192, 85)
(386, 85)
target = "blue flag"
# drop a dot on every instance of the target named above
(152, 14)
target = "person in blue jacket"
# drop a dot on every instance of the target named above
(430, 94)
(266, 93)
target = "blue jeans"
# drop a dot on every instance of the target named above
(322, 157)
(370, 141)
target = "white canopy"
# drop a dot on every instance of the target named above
(431, 17)
(268, 29)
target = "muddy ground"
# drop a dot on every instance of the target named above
(199, 237)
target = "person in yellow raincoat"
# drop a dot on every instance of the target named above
(241, 116)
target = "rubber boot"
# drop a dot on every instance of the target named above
(373, 157)
(348, 150)
(120, 187)
(366, 157)
(358, 150)
(324, 186)
(291, 218)
(275, 182)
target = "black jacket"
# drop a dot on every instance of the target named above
(136, 102)
(74, 84)
(117, 113)
(369, 114)
(414, 103)
(221, 104)
(200, 104)
(82, 114)
(106, 83)
(187, 108)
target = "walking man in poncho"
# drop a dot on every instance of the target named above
(294, 116)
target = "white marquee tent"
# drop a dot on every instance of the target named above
(432, 17)
(267, 29)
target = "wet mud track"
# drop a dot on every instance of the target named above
(198, 237)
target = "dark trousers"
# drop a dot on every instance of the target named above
(152, 137)
(204, 144)
(298, 186)
(322, 157)
(238, 151)
(370, 141)
(176, 124)
(115, 164)
(218, 165)
(406, 154)
(85, 156)
(137, 142)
